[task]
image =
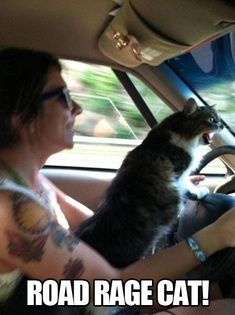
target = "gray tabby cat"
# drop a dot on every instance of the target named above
(145, 197)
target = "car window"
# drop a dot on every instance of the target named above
(210, 71)
(110, 124)
(155, 104)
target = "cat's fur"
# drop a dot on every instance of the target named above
(145, 197)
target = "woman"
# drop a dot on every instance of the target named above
(36, 218)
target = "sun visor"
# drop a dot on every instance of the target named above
(152, 31)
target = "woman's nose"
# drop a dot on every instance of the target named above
(77, 109)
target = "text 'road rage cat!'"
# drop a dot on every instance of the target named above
(118, 293)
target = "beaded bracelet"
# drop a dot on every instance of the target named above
(199, 253)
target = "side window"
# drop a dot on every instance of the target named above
(159, 109)
(110, 124)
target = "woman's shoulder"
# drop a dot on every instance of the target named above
(8, 187)
(21, 207)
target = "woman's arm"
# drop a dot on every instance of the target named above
(174, 262)
(74, 211)
(32, 241)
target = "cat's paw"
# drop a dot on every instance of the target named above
(202, 191)
(197, 193)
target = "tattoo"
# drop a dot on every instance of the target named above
(63, 238)
(24, 248)
(29, 215)
(73, 269)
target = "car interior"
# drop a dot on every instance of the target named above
(131, 63)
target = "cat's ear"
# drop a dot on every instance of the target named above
(190, 107)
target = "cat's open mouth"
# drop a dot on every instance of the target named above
(207, 137)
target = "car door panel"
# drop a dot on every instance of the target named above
(85, 186)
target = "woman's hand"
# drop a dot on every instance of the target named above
(225, 226)
(196, 179)
(218, 235)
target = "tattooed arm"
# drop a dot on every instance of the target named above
(32, 240)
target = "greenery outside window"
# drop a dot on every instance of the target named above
(110, 124)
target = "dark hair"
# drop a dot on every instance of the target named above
(23, 75)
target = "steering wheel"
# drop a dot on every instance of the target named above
(206, 211)
(229, 185)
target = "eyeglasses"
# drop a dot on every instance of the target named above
(60, 92)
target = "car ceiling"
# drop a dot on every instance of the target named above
(68, 28)
(71, 28)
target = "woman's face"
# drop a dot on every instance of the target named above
(54, 124)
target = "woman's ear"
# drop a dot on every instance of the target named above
(16, 121)
(190, 107)
(32, 127)
(17, 124)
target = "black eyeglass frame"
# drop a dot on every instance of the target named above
(58, 92)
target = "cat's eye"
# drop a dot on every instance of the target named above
(211, 120)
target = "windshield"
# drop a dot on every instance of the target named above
(210, 71)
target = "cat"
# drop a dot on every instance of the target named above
(145, 197)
